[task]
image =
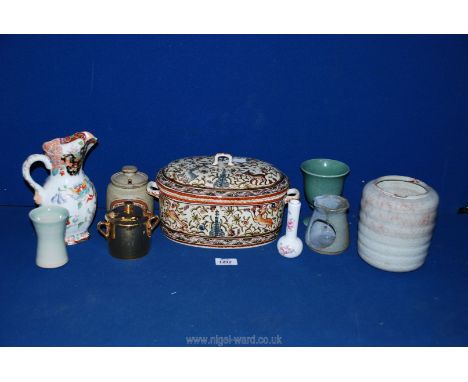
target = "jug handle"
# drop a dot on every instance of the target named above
(39, 190)
(153, 189)
(107, 231)
(292, 194)
(151, 224)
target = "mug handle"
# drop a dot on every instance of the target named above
(105, 232)
(292, 194)
(151, 224)
(153, 189)
(38, 190)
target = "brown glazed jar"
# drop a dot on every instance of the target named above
(128, 229)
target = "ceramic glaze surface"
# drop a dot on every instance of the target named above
(128, 230)
(233, 221)
(49, 223)
(396, 222)
(221, 201)
(290, 245)
(328, 231)
(128, 184)
(67, 185)
(323, 177)
(229, 173)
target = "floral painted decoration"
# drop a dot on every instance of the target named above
(232, 202)
(67, 185)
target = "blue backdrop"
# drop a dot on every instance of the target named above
(383, 104)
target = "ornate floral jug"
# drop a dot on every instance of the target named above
(67, 185)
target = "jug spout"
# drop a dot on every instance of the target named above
(67, 154)
(90, 139)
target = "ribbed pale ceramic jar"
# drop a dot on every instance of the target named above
(396, 222)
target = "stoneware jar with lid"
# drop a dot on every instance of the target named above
(128, 184)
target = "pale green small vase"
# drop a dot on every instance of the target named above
(49, 223)
(323, 177)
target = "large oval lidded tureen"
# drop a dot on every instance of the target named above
(221, 201)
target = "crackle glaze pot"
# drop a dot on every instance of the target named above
(328, 232)
(221, 201)
(128, 184)
(396, 222)
(67, 186)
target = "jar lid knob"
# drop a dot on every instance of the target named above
(128, 207)
(129, 169)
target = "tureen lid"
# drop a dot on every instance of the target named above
(223, 172)
(129, 177)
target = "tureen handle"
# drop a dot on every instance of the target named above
(152, 189)
(292, 193)
(219, 155)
